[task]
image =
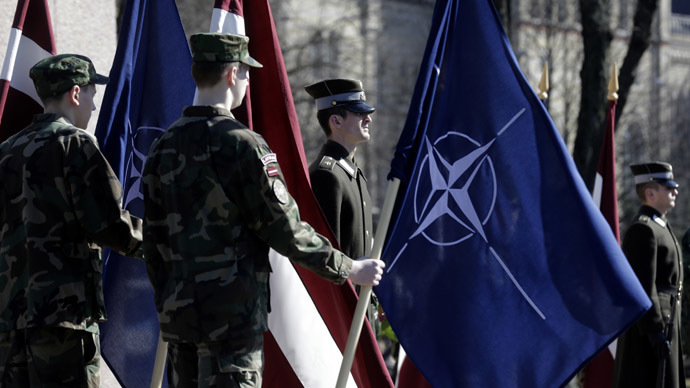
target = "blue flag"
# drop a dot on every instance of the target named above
(501, 272)
(150, 83)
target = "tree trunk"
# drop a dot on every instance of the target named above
(639, 42)
(597, 37)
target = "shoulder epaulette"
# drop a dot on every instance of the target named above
(327, 163)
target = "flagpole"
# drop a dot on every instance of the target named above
(159, 365)
(544, 83)
(365, 292)
(613, 84)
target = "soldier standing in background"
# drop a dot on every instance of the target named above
(650, 350)
(60, 200)
(215, 202)
(338, 183)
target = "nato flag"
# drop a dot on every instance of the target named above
(150, 83)
(501, 272)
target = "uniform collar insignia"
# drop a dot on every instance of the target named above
(347, 166)
(659, 221)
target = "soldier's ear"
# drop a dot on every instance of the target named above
(73, 95)
(231, 76)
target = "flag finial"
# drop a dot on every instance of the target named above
(613, 84)
(544, 83)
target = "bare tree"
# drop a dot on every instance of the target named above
(596, 37)
(639, 42)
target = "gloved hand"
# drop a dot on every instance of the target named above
(661, 345)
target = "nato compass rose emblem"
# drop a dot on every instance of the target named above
(140, 144)
(451, 189)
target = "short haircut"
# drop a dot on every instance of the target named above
(325, 114)
(57, 97)
(207, 74)
(642, 187)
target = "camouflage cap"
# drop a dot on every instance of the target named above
(57, 74)
(219, 47)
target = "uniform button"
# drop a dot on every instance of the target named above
(367, 233)
(343, 275)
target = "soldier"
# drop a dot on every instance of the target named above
(61, 199)
(338, 183)
(215, 201)
(649, 353)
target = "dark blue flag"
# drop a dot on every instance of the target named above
(150, 83)
(501, 272)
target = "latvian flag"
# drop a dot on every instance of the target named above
(30, 41)
(310, 317)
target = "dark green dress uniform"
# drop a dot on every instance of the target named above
(341, 189)
(655, 256)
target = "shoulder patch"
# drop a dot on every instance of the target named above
(269, 158)
(643, 218)
(280, 191)
(327, 163)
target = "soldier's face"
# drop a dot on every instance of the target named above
(86, 106)
(664, 198)
(355, 127)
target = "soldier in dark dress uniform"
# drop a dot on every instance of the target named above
(653, 343)
(338, 183)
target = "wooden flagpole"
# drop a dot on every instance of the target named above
(365, 292)
(159, 364)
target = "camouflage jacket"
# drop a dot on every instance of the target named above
(215, 200)
(60, 200)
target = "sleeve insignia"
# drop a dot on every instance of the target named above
(269, 158)
(272, 171)
(280, 191)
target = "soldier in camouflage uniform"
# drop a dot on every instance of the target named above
(61, 200)
(215, 201)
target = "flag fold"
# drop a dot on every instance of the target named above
(150, 83)
(500, 270)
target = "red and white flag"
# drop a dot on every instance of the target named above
(599, 372)
(310, 317)
(31, 40)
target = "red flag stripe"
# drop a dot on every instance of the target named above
(232, 6)
(599, 372)
(33, 18)
(334, 304)
(31, 39)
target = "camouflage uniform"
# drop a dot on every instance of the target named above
(60, 201)
(215, 200)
